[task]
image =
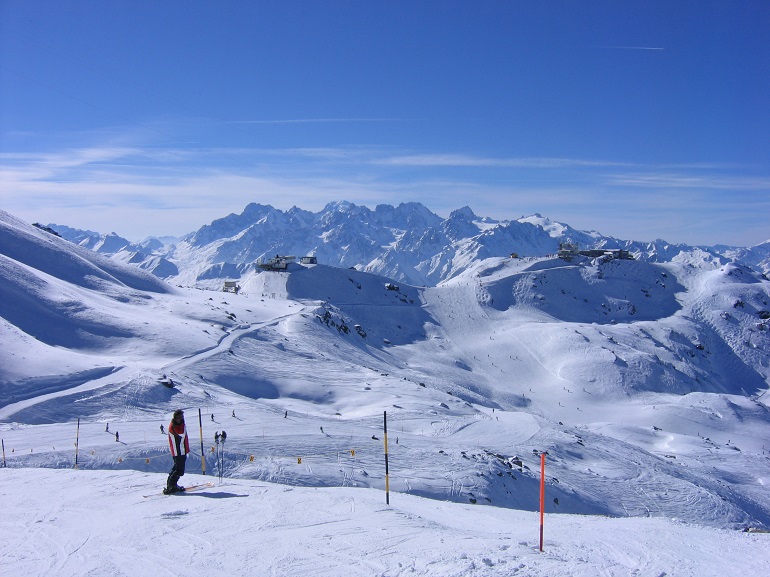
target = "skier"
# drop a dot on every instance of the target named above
(117, 437)
(212, 417)
(180, 446)
(107, 429)
(162, 430)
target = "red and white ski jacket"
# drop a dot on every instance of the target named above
(177, 439)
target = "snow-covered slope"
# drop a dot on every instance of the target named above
(645, 383)
(98, 523)
(70, 315)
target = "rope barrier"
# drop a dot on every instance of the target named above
(352, 462)
(156, 457)
(90, 456)
(233, 455)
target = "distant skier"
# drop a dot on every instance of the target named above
(162, 430)
(212, 417)
(117, 437)
(233, 412)
(107, 429)
(179, 445)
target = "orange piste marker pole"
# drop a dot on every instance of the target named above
(542, 497)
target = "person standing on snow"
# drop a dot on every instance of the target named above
(180, 446)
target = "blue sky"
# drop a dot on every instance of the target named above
(640, 120)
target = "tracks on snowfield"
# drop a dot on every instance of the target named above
(226, 342)
(130, 370)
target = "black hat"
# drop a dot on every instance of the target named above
(178, 413)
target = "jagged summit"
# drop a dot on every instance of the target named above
(464, 213)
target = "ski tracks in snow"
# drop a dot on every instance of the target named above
(227, 341)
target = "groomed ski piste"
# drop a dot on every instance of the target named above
(644, 384)
(66, 522)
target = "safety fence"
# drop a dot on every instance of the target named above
(15, 454)
(155, 456)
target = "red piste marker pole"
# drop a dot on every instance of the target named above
(542, 497)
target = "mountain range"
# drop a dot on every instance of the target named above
(408, 243)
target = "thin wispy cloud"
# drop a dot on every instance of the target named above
(308, 120)
(633, 47)
(699, 181)
(36, 167)
(461, 160)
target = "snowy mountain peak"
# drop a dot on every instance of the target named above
(555, 229)
(229, 225)
(464, 213)
(406, 216)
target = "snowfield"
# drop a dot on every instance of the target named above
(645, 383)
(99, 523)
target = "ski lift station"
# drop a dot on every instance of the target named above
(281, 263)
(569, 250)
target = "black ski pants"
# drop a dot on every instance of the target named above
(176, 471)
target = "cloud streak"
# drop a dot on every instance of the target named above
(698, 181)
(463, 160)
(659, 48)
(310, 120)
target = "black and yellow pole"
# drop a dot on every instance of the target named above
(542, 496)
(387, 473)
(77, 440)
(203, 455)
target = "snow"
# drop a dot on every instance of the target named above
(645, 383)
(99, 523)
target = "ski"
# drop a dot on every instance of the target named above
(186, 490)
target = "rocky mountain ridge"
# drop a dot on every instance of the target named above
(408, 243)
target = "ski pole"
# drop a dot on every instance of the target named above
(203, 455)
(221, 469)
(216, 440)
